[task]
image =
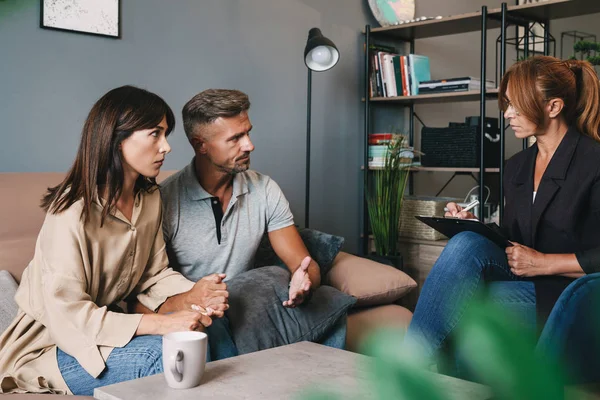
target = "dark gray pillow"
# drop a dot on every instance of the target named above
(322, 247)
(259, 321)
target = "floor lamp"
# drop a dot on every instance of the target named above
(320, 54)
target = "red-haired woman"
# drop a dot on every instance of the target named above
(552, 209)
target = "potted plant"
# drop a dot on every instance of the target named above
(589, 51)
(384, 191)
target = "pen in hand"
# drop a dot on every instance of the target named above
(468, 207)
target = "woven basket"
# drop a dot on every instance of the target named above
(421, 205)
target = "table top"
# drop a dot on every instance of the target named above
(280, 373)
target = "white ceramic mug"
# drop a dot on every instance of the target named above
(184, 358)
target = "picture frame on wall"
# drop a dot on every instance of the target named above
(92, 17)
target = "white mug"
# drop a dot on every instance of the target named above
(184, 358)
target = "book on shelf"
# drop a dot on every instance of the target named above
(453, 85)
(396, 75)
(390, 77)
(419, 72)
(379, 148)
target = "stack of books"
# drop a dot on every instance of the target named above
(379, 148)
(463, 84)
(395, 75)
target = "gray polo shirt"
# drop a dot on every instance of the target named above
(190, 217)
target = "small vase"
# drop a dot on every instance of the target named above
(393, 261)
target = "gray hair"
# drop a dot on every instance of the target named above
(205, 107)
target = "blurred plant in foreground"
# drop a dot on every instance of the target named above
(498, 351)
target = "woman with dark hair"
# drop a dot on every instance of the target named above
(101, 243)
(552, 212)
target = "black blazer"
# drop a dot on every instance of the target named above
(565, 217)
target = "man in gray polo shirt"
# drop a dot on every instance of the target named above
(216, 210)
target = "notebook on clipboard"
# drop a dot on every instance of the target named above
(453, 226)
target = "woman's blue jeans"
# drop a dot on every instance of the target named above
(468, 263)
(141, 357)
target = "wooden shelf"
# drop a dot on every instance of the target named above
(451, 169)
(412, 167)
(471, 95)
(471, 22)
(442, 169)
(454, 24)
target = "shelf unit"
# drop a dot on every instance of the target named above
(503, 17)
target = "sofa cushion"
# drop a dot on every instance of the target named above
(363, 322)
(8, 307)
(372, 283)
(259, 321)
(322, 247)
(22, 216)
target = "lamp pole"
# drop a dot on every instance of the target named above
(320, 54)
(308, 116)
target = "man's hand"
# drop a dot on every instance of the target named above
(211, 294)
(525, 261)
(299, 285)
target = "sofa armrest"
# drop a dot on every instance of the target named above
(372, 283)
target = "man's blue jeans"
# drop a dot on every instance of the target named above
(141, 357)
(468, 263)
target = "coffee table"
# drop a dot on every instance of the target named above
(279, 373)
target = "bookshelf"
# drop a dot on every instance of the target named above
(480, 21)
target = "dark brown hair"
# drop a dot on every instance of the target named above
(205, 107)
(111, 120)
(534, 81)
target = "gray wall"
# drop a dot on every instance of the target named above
(49, 80)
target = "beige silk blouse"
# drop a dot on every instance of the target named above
(78, 271)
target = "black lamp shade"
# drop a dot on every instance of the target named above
(320, 54)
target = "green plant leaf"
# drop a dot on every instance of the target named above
(502, 355)
(384, 192)
(396, 373)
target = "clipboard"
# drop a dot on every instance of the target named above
(452, 226)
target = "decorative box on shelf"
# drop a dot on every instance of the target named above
(421, 205)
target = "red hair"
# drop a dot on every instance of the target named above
(534, 81)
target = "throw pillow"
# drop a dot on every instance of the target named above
(372, 283)
(259, 321)
(8, 306)
(322, 247)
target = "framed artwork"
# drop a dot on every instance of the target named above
(94, 17)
